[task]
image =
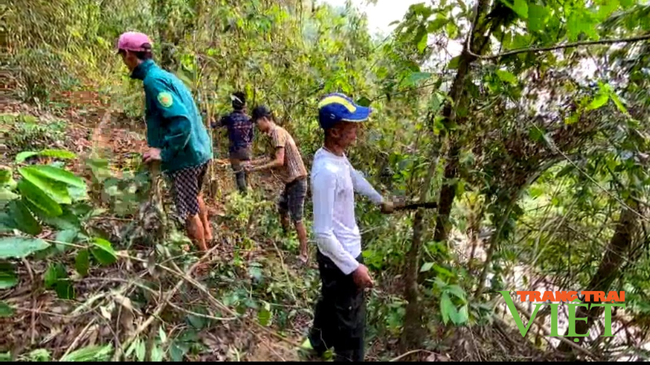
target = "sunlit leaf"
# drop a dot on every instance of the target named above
(19, 247)
(519, 6)
(62, 154)
(598, 101)
(90, 354)
(536, 17)
(57, 174)
(446, 307)
(103, 251)
(39, 198)
(264, 315)
(426, 266)
(506, 76)
(459, 316)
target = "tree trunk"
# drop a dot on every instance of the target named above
(413, 329)
(413, 332)
(608, 269)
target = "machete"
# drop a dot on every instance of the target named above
(412, 206)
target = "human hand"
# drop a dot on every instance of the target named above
(361, 277)
(153, 154)
(387, 207)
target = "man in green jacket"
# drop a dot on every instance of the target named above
(175, 133)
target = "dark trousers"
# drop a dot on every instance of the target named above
(339, 318)
(236, 158)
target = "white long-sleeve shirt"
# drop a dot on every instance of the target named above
(334, 182)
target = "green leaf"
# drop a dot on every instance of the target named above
(23, 218)
(363, 101)
(506, 76)
(6, 310)
(422, 43)
(453, 63)
(53, 274)
(6, 178)
(19, 247)
(62, 154)
(89, 354)
(446, 307)
(536, 134)
(40, 355)
(103, 251)
(53, 181)
(177, 351)
(39, 198)
(82, 262)
(461, 316)
(606, 8)
(264, 315)
(6, 196)
(196, 321)
(536, 17)
(520, 7)
(426, 266)
(416, 77)
(65, 236)
(618, 103)
(573, 118)
(456, 290)
(8, 279)
(437, 24)
(7, 223)
(598, 101)
(58, 174)
(64, 289)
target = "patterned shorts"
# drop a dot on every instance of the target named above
(292, 199)
(186, 186)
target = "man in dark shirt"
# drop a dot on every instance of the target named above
(240, 133)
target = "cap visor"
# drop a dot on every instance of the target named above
(360, 115)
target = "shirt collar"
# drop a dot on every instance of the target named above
(141, 71)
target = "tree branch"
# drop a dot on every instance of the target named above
(561, 46)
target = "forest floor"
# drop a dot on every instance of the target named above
(254, 305)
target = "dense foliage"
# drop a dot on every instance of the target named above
(526, 121)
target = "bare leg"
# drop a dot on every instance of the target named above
(203, 213)
(284, 220)
(302, 238)
(195, 231)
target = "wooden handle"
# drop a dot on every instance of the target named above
(412, 206)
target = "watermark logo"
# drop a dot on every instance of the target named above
(572, 299)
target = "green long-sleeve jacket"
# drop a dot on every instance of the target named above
(174, 124)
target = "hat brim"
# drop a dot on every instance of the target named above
(361, 114)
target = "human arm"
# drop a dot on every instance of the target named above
(272, 163)
(223, 121)
(323, 192)
(279, 141)
(363, 187)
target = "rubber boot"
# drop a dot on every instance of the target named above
(240, 178)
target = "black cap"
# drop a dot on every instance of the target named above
(238, 100)
(260, 111)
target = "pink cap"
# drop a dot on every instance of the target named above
(134, 41)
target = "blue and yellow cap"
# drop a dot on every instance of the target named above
(337, 107)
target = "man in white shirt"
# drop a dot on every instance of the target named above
(339, 318)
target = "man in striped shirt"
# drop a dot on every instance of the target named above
(288, 165)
